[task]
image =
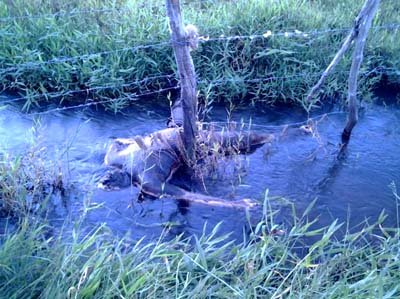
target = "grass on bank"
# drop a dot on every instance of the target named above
(227, 70)
(36, 264)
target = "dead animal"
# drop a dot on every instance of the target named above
(150, 162)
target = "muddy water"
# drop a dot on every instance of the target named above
(298, 166)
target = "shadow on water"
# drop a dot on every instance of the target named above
(299, 166)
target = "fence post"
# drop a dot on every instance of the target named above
(186, 107)
(358, 55)
(358, 34)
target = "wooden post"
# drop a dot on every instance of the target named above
(359, 33)
(345, 46)
(357, 59)
(185, 110)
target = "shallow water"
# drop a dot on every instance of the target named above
(297, 166)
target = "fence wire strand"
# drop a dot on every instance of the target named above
(137, 96)
(77, 13)
(71, 13)
(203, 39)
(216, 82)
(90, 89)
(59, 60)
(84, 105)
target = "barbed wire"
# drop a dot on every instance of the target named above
(84, 105)
(268, 34)
(296, 33)
(299, 75)
(71, 13)
(215, 82)
(293, 124)
(88, 90)
(202, 81)
(59, 60)
(77, 13)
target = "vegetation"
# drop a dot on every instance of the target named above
(37, 264)
(28, 179)
(52, 52)
(88, 51)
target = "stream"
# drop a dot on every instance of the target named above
(295, 169)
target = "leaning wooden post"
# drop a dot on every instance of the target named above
(358, 34)
(186, 107)
(345, 46)
(357, 59)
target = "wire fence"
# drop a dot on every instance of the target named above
(170, 78)
(147, 79)
(135, 96)
(51, 95)
(77, 13)
(203, 39)
(167, 77)
(173, 77)
(107, 101)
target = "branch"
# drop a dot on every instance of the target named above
(368, 5)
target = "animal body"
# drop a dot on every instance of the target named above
(150, 162)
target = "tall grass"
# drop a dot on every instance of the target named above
(27, 180)
(225, 68)
(36, 264)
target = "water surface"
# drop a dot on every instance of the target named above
(297, 166)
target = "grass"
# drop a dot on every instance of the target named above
(228, 70)
(27, 179)
(37, 264)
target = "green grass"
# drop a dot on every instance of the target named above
(225, 68)
(28, 179)
(36, 264)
